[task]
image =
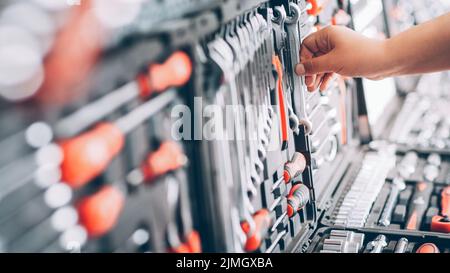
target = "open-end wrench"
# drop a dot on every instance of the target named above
(297, 83)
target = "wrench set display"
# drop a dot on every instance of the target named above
(181, 127)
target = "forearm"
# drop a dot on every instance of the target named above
(421, 49)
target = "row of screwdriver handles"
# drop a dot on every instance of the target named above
(297, 198)
(81, 158)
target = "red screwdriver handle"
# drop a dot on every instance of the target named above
(297, 199)
(168, 157)
(315, 8)
(445, 201)
(99, 212)
(175, 72)
(88, 155)
(194, 242)
(441, 223)
(254, 238)
(191, 245)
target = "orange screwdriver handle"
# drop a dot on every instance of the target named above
(175, 72)
(88, 155)
(281, 100)
(428, 248)
(441, 223)
(255, 237)
(168, 157)
(315, 8)
(100, 212)
(192, 244)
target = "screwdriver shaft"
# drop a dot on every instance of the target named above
(130, 121)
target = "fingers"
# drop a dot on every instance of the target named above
(326, 81)
(310, 80)
(321, 64)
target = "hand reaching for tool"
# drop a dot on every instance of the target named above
(421, 49)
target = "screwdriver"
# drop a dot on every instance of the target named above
(168, 157)
(88, 154)
(298, 198)
(441, 223)
(192, 244)
(254, 237)
(175, 72)
(295, 167)
(99, 212)
(281, 100)
(418, 205)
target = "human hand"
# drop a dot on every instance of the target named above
(339, 50)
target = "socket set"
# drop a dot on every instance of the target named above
(413, 166)
(329, 240)
(428, 109)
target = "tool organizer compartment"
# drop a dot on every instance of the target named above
(415, 166)
(331, 240)
(430, 110)
(402, 215)
(385, 199)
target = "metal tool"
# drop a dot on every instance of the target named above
(434, 159)
(378, 244)
(397, 186)
(401, 246)
(87, 155)
(418, 205)
(297, 83)
(430, 172)
(407, 165)
(342, 241)
(357, 202)
(175, 72)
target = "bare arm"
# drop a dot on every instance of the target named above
(423, 48)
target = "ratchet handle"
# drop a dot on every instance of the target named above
(419, 204)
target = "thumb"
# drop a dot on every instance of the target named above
(316, 65)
